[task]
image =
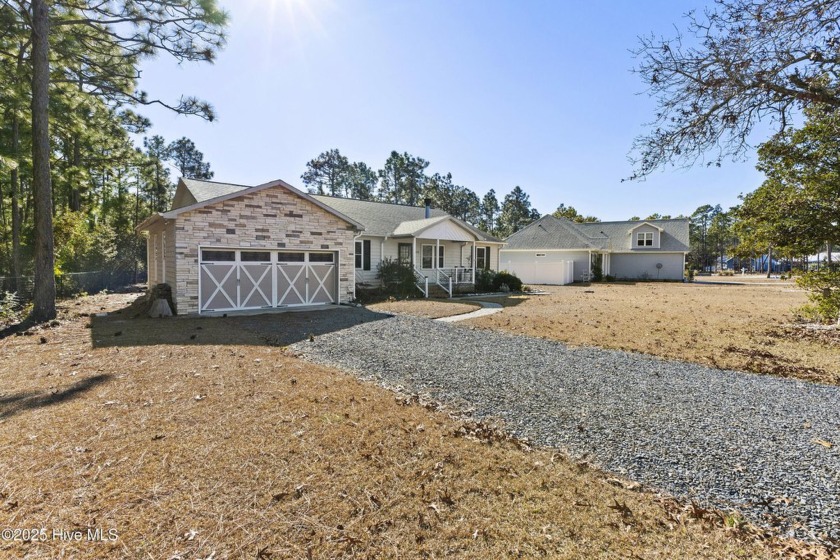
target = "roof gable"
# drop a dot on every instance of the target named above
(442, 227)
(225, 191)
(640, 224)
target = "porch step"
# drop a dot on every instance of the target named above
(436, 291)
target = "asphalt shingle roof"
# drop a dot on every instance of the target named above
(383, 218)
(378, 218)
(559, 233)
(206, 190)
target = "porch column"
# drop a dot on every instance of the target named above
(414, 252)
(437, 252)
(474, 258)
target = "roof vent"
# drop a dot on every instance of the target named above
(428, 203)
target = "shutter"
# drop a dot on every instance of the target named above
(366, 254)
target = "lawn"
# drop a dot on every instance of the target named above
(205, 438)
(745, 327)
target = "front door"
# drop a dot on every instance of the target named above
(404, 254)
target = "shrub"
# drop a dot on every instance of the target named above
(11, 307)
(597, 272)
(397, 278)
(609, 278)
(824, 293)
(484, 281)
(511, 280)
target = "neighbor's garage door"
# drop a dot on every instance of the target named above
(232, 279)
(538, 268)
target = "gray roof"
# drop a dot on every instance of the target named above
(386, 219)
(205, 190)
(559, 233)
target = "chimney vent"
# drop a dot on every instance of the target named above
(428, 203)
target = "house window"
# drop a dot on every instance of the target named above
(482, 258)
(644, 239)
(427, 260)
(363, 254)
(404, 254)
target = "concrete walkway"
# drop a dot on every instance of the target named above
(487, 308)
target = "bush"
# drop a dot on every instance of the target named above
(397, 278)
(512, 281)
(824, 293)
(11, 307)
(609, 278)
(484, 281)
(597, 273)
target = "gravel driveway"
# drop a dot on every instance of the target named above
(720, 437)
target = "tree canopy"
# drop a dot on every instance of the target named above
(738, 63)
(78, 63)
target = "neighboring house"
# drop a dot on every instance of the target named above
(558, 251)
(229, 247)
(440, 247)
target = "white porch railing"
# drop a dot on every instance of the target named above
(421, 281)
(444, 280)
(460, 275)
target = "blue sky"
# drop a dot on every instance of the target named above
(538, 94)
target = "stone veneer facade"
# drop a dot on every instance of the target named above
(273, 218)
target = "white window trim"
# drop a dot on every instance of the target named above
(642, 238)
(440, 260)
(359, 255)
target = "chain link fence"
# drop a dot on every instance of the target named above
(73, 283)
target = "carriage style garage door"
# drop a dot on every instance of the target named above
(232, 279)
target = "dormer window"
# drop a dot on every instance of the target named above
(644, 239)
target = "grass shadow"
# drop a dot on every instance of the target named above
(17, 403)
(281, 328)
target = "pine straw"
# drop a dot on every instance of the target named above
(244, 451)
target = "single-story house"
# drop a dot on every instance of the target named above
(558, 251)
(442, 249)
(226, 247)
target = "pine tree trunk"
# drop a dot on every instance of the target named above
(43, 308)
(16, 214)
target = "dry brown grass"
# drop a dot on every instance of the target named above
(744, 327)
(196, 450)
(430, 309)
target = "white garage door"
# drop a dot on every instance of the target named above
(232, 279)
(534, 269)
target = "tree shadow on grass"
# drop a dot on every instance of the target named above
(280, 328)
(17, 403)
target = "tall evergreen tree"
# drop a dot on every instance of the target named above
(188, 160)
(329, 173)
(402, 179)
(516, 212)
(489, 212)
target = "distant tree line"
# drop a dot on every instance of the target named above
(403, 179)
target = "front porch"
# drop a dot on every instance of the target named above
(449, 265)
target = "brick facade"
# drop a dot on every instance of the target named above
(272, 218)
